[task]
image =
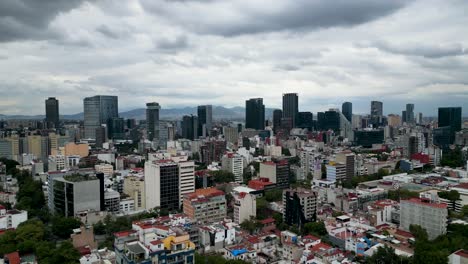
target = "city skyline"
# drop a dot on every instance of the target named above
(362, 52)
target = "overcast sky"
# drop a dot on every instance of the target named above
(221, 52)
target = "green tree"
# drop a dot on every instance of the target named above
(419, 232)
(222, 176)
(386, 255)
(274, 195)
(63, 226)
(315, 228)
(65, 253)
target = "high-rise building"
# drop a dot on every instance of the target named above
(300, 206)
(376, 113)
(52, 113)
(73, 193)
(117, 129)
(336, 172)
(291, 106)
(450, 117)
(277, 115)
(394, 120)
(98, 110)
(152, 121)
(347, 110)
(255, 114)
(162, 178)
(205, 120)
(134, 186)
(305, 120)
(410, 113)
(230, 134)
(233, 163)
(212, 150)
(347, 158)
(245, 206)
(277, 172)
(190, 127)
(425, 213)
(376, 108)
(403, 116)
(366, 138)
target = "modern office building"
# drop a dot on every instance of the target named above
(277, 115)
(233, 163)
(117, 128)
(425, 213)
(162, 184)
(255, 114)
(410, 114)
(277, 172)
(305, 120)
(190, 127)
(291, 107)
(152, 120)
(450, 117)
(73, 193)
(376, 117)
(348, 159)
(300, 206)
(366, 138)
(205, 120)
(52, 113)
(347, 110)
(336, 172)
(205, 205)
(98, 110)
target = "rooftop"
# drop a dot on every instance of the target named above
(425, 203)
(76, 177)
(205, 193)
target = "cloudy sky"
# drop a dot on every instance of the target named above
(222, 52)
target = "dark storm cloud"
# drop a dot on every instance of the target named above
(232, 18)
(423, 50)
(29, 19)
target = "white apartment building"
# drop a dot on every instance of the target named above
(233, 163)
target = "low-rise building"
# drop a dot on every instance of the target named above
(11, 218)
(205, 205)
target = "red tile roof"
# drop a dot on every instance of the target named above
(124, 233)
(403, 233)
(13, 258)
(462, 253)
(267, 221)
(421, 202)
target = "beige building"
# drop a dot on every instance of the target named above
(205, 205)
(73, 149)
(35, 145)
(107, 169)
(245, 206)
(134, 186)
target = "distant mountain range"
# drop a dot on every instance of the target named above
(219, 112)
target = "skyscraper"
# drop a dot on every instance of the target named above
(255, 114)
(291, 106)
(190, 127)
(205, 120)
(376, 113)
(376, 108)
(347, 110)
(98, 110)
(277, 115)
(52, 112)
(152, 120)
(410, 113)
(450, 121)
(305, 120)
